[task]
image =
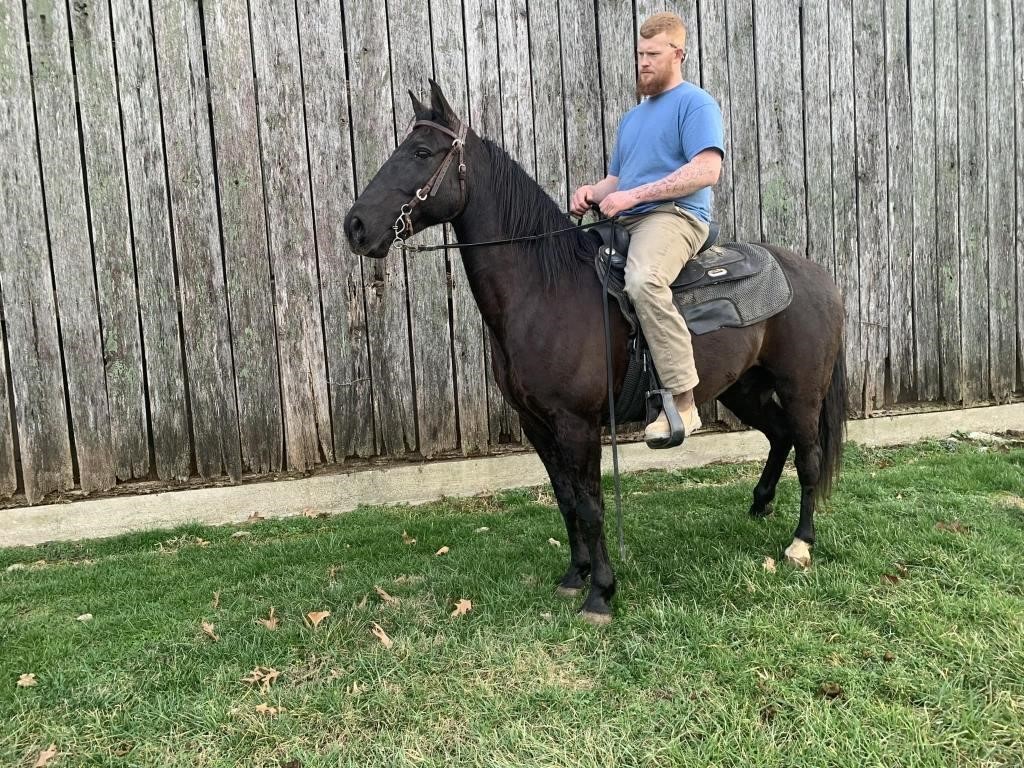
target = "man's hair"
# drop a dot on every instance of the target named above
(670, 24)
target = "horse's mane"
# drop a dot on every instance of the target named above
(524, 208)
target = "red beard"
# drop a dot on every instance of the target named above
(653, 83)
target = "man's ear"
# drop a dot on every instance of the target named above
(441, 106)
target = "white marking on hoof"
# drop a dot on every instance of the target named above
(568, 591)
(597, 619)
(799, 554)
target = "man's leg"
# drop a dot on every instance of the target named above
(661, 242)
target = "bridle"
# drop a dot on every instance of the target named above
(403, 224)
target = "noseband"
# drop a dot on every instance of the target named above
(403, 224)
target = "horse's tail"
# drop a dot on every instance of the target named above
(832, 427)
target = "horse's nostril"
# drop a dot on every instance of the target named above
(357, 226)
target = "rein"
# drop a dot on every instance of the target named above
(403, 224)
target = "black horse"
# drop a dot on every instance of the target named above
(542, 302)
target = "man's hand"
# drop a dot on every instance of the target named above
(581, 199)
(617, 202)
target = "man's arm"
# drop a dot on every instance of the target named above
(593, 193)
(702, 171)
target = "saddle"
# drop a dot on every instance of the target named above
(732, 285)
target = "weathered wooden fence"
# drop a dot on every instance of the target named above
(178, 299)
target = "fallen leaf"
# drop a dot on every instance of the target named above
(255, 517)
(407, 539)
(955, 527)
(270, 622)
(901, 569)
(769, 564)
(263, 709)
(45, 756)
(333, 571)
(264, 677)
(482, 529)
(240, 534)
(27, 680)
(554, 542)
(462, 607)
(362, 603)
(315, 617)
(15, 567)
(84, 617)
(831, 690)
(216, 600)
(200, 542)
(889, 656)
(889, 578)
(208, 630)
(769, 713)
(388, 599)
(381, 635)
(441, 551)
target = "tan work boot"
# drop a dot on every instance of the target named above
(659, 428)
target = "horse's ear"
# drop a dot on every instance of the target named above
(418, 107)
(441, 106)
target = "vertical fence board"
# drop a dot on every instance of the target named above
(411, 63)
(549, 121)
(901, 206)
(817, 132)
(746, 182)
(330, 165)
(292, 250)
(780, 123)
(869, 95)
(947, 205)
(1018, 36)
(582, 99)
(111, 239)
(29, 310)
(1001, 192)
(973, 250)
(467, 327)
(844, 191)
(714, 55)
(194, 214)
(516, 84)
(486, 116)
(926, 298)
(70, 249)
(616, 40)
(154, 259)
(383, 279)
(244, 232)
(8, 470)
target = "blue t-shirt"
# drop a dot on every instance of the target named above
(663, 133)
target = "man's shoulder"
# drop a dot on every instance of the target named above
(692, 96)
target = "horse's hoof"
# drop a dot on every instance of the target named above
(799, 554)
(568, 591)
(597, 619)
(761, 512)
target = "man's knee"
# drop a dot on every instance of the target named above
(642, 281)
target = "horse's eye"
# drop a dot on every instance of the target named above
(423, 153)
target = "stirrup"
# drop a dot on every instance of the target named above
(663, 399)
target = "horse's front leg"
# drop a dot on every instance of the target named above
(543, 440)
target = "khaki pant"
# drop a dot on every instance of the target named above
(661, 242)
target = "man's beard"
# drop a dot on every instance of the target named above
(655, 84)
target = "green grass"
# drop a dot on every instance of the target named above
(711, 659)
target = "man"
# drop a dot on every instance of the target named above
(667, 156)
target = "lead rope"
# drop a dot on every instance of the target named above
(611, 412)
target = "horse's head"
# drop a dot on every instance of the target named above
(421, 184)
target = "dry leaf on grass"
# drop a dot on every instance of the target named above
(312, 513)
(441, 551)
(407, 539)
(832, 690)
(381, 635)
(315, 617)
(769, 564)
(385, 597)
(216, 600)
(482, 529)
(45, 757)
(255, 517)
(554, 542)
(15, 567)
(27, 680)
(208, 631)
(84, 617)
(270, 622)
(240, 534)
(462, 607)
(891, 578)
(264, 677)
(889, 656)
(263, 709)
(955, 527)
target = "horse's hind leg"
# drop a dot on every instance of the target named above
(751, 399)
(543, 440)
(803, 411)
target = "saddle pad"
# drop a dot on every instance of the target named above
(735, 303)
